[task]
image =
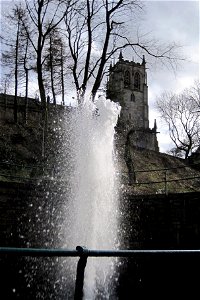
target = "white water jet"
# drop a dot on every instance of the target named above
(92, 209)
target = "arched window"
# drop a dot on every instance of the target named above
(137, 81)
(127, 79)
(132, 97)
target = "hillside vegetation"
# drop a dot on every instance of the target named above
(162, 173)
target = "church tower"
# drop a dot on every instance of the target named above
(127, 85)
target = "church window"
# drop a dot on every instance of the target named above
(137, 81)
(127, 79)
(132, 97)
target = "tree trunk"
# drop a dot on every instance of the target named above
(62, 78)
(51, 72)
(26, 97)
(41, 83)
(16, 74)
(103, 57)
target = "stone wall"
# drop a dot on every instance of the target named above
(33, 110)
(156, 221)
(7, 109)
(160, 222)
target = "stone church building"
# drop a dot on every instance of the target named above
(127, 85)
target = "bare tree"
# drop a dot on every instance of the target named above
(193, 94)
(175, 152)
(45, 15)
(12, 56)
(62, 71)
(183, 120)
(5, 83)
(55, 64)
(96, 30)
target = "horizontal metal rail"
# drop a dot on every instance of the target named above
(80, 251)
(168, 180)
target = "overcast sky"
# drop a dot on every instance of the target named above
(172, 21)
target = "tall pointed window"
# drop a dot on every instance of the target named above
(127, 79)
(137, 81)
(132, 97)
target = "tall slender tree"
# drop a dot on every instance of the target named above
(29, 65)
(54, 65)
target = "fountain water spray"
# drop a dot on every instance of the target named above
(92, 208)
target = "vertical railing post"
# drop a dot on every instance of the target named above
(166, 187)
(78, 294)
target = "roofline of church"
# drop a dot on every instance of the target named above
(133, 63)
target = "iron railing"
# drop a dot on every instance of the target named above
(83, 253)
